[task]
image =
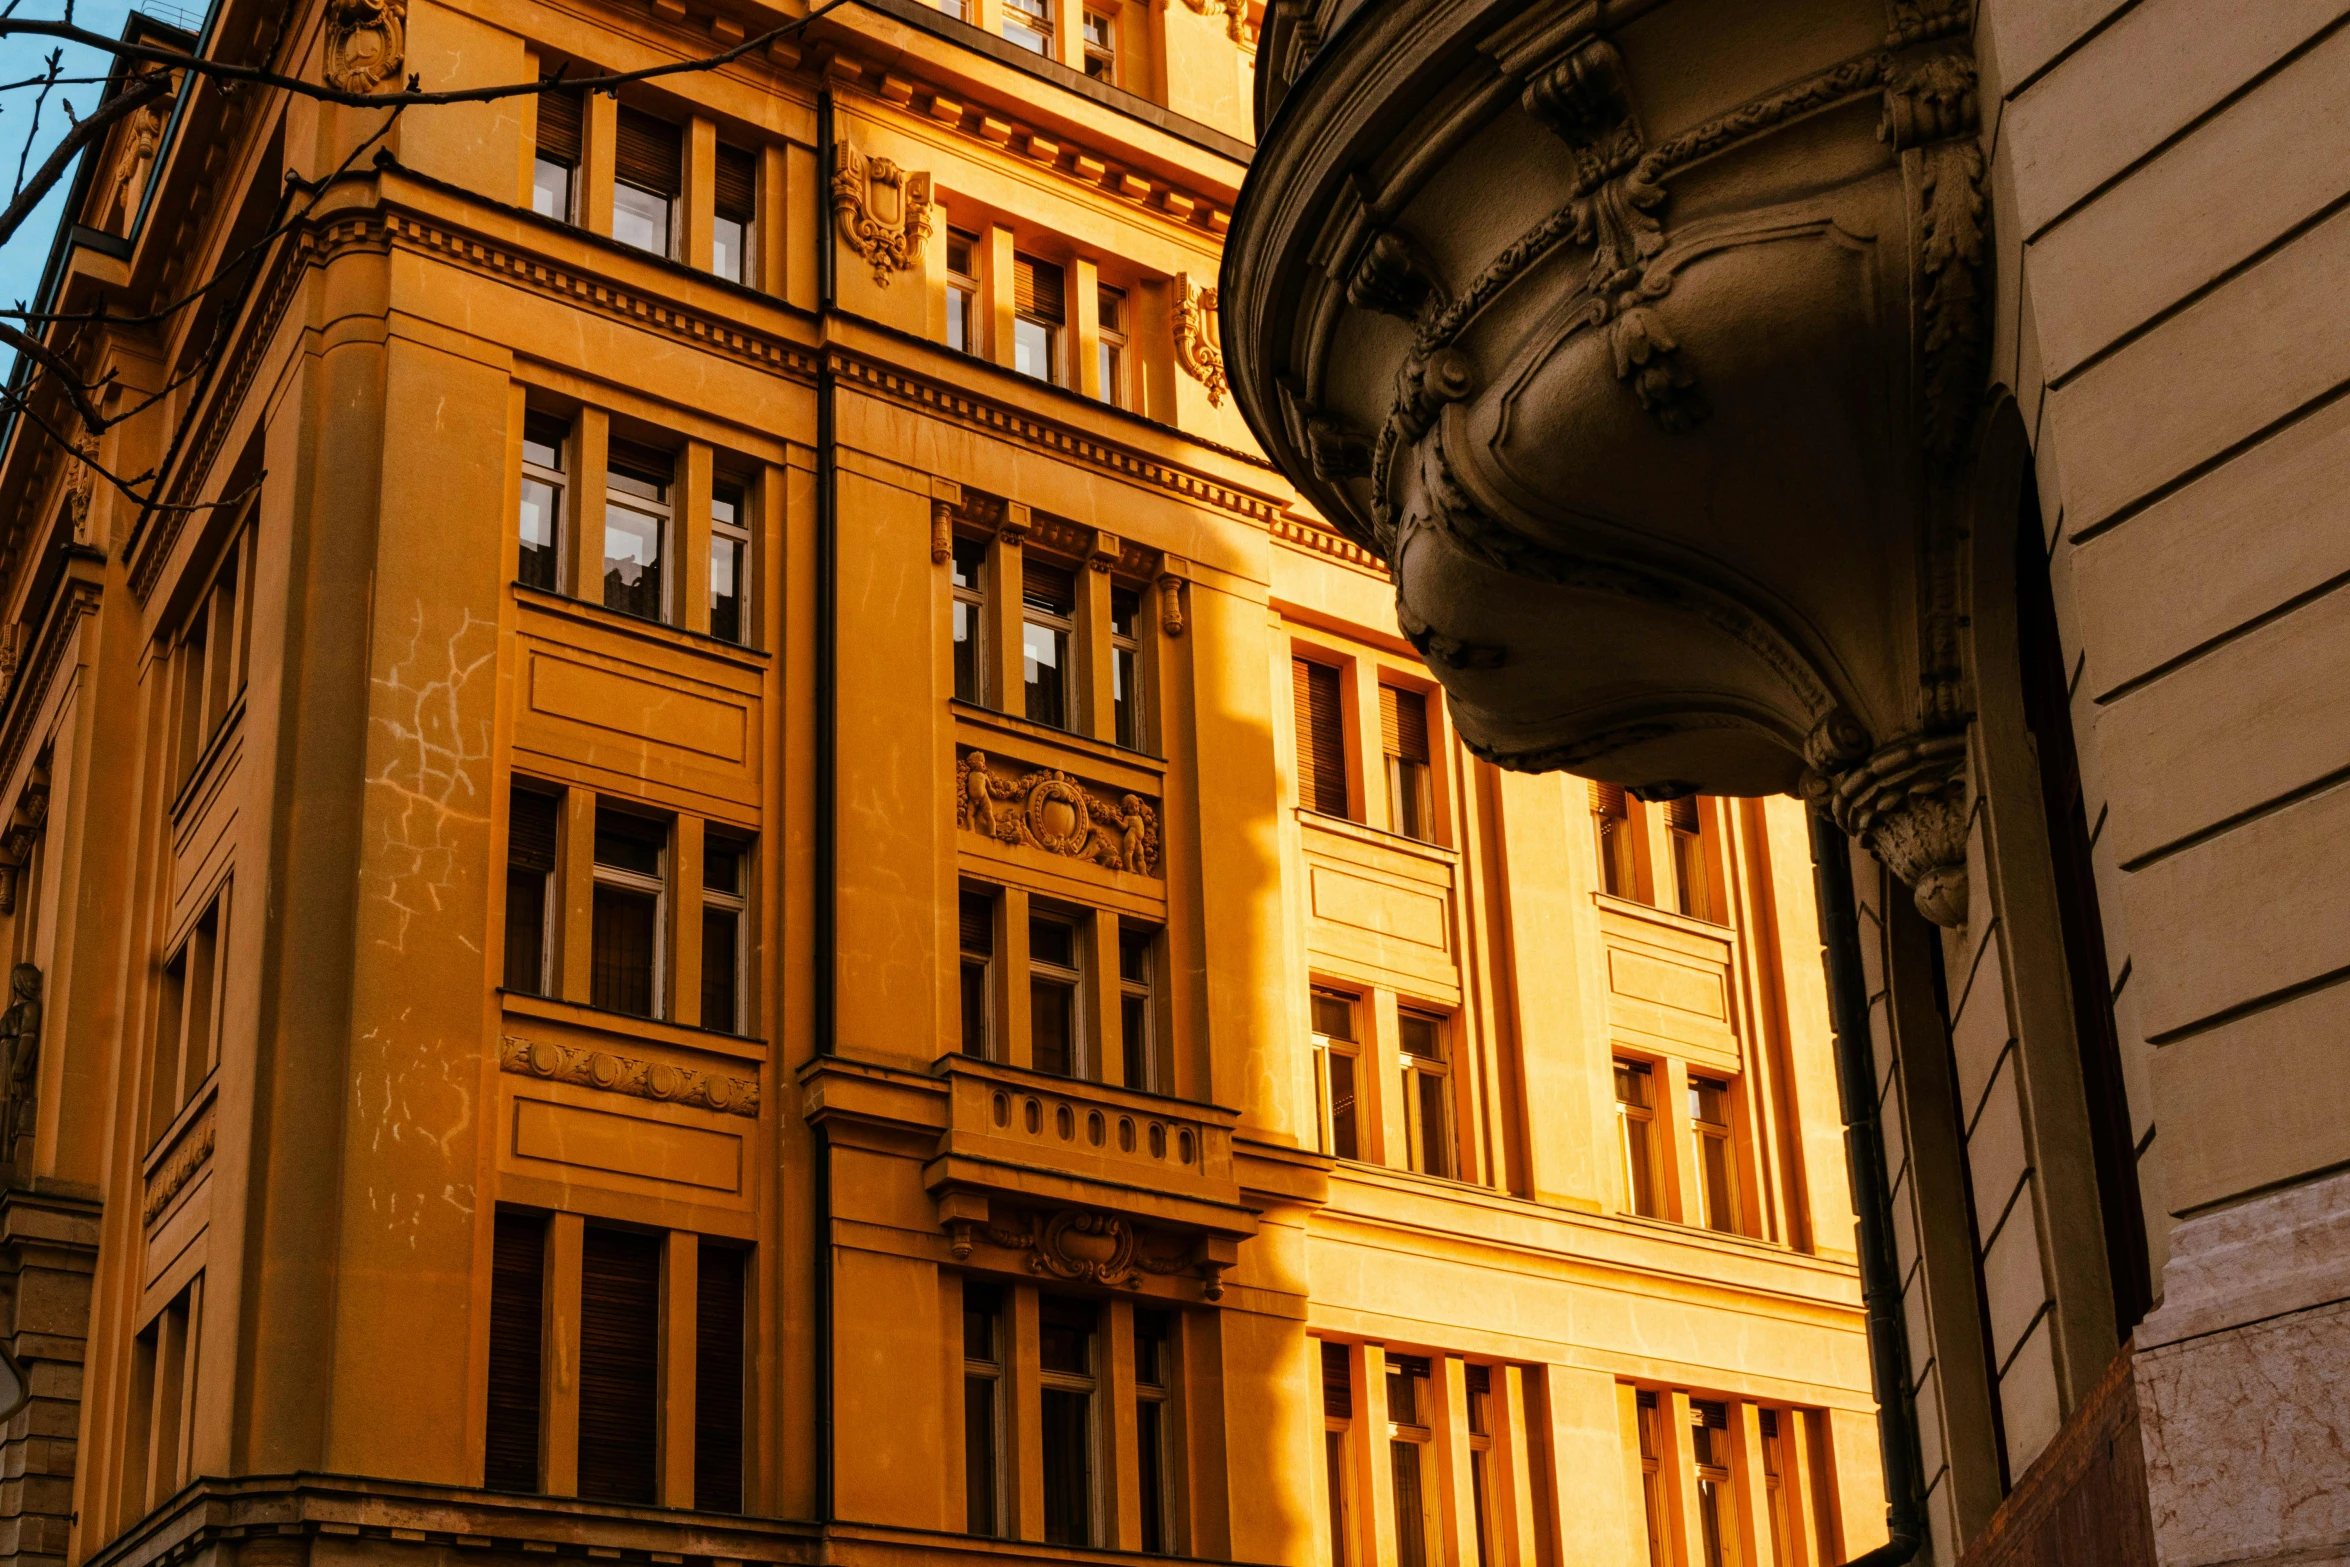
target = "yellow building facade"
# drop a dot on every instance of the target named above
(725, 879)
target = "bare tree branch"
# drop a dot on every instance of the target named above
(142, 91)
(69, 380)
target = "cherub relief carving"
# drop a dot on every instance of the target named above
(1050, 810)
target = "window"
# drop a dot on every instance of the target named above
(1054, 982)
(530, 889)
(1321, 743)
(983, 1401)
(970, 615)
(1774, 1483)
(1636, 1134)
(1611, 816)
(1047, 633)
(977, 917)
(1403, 730)
(187, 1017)
(631, 881)
(636, 525)
(1338, 1409)
(1709, 1441)
(155, 1437)
(1065, 1365)
(1101, 47)
(1029, 23)
(1652, 1486)
(209, 663)
(719, 1390)
(541, 522)
(1340, 1060)
(1427, 1094)
(1144, 1069)
(730, 565)
(1037, 308)
(1126, 666)
(1111, 354)
(1408, 1452)
(555, 168)
(1709, 1130)
(518, 1265)
(735, 188)
(725, 906)
(647, 174)
(1480, 1396)
(1689, 880)
(1154, 1351)
(962, 291)
(619, 1366)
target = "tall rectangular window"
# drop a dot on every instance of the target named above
(1775, 1482)
(1636, 1134)
(735, 187)
(155, 1436)
(1403, 730)
(530, 888)
(1652, 1491)
(1126, 666)
(647, 174)
(187, 1017)
(1611, 819)
(730, 564)
(1101, 47)
(1480, 1397)
(1154, 1473)
(1111, 352)
(1321, 738)
(1341, 1062)
(1055, 983)
(719, 1321)
(983, 1401)
(970, 617)
(624, 969)
(1717, 1175)
(517, 1317)
(636, 528)
(1048, 635)
(1409, 1442)
(1709, 1442)
(1069, 1378)
(962, 291)
(555, 165)
(1029, 24)
(1039, 307)
(619, 1366)
(541, 522)
(1427, 1094)
(976, 916)
(1690, 892)
(725, 909)
(1338, 1409)
(1144, 1068)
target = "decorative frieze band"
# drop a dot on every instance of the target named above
(618, 1074)
(1048, 809)
(192, 1154)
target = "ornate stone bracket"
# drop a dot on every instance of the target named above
(1196, 346)
(1907, 804)
(945, 496)
(1080, 1245)
(1050, 810)
(366, 43)
(617, 1074)
(881, 210)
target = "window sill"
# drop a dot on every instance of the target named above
(1046, 734)
(201, 777)
(627, 1025)
(181, 1120)
(1635, 909)
(1348, 827)
(654, 631)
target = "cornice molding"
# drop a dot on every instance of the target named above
(77, 596)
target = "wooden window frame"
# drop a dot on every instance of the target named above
(1646, 1157)
(1329, 1047)
(1416, 1072)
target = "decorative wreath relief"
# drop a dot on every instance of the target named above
(1076, 1243)
(366, 43)
(1052, 811)
(1196, 347)
(883, 211)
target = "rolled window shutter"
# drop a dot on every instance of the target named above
(530, 832)
(737, 183)
(1047, 587)
(1480, 1379)
(1321, 739)
(559, 116)
(619, 1366)
(646, 154)
(1338, 1393)
(518, 1253)
(1403, 723)
(978, 921)
(1036, 289)
(1681, 814)
(1608, 800)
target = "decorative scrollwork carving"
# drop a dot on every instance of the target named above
(173, 1175)
(1907, 806)
(366, 43)
(1931, 108)
(1052, 811)
(1081, 1245)
(1196, 346)
(881, 210)
(618, 1074)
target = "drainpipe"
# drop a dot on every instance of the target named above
(825, 936)
(1864, 1157)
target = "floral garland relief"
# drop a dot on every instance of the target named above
(1052, 811)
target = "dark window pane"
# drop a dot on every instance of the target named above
(621, 966)
(979, 1455)
(1135, 1027)
(1044, 654)
(726, 588)
(1334, 1475)
(1343, 1140)
(1065, 1330)
(1411, 1547)
(1334, 1015)
(1068, 1466)
(517, 1279)
(1150, 1418)
(1052, 941)
(721, 947)
(630, 843)
(1422, 1037)
(975, 1009)
(1435, 1128)
(982, 1311)
(1126, 698)
(541, 506)
(718, 1379)
(632, 562)
(526, 931)
(722, 867)
(1052, 1017)
(1125, 605)
(967, 652)
(619, 1366)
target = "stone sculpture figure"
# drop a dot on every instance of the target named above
(20, 1057)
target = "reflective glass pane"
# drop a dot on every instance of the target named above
(640, 218)
(1032, 346)
(537, 527)
(1044, 652)
(550, 189)
(726, 249)
(726, 588)
(632, 561)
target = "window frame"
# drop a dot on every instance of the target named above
(1618, 852)
(1338, 1452)
(1073, 977)
(1063, 626)
(1327, 1048)
(1722, 1135)
(1684, 826)
(743, 536)
(1477, 1412)
(988, 966)
(1037, 21)
(1645, 1159)
(1138, 996)
(1408, 775)
(1714, 1494)
(1106, 51)
(1157, 1400)
(1129, 710)
(623, 879)
(1418, 1072)
(557, 479)
(662, 512)
(1112, 342)
(1055, 329)
(1418, 1438)
(970, 596)
(737, 903)
(1088, 1384)
(993, 1372)
(963, 294)
(550, 907)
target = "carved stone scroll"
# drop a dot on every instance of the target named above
(366, 43)
(617, 1074)
(1081, 1245)
(1050, 810)
(881, 210)
(1907, 805)
(1196, 347)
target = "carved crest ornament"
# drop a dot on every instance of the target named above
(1083, 1246)
(1048, 809)
(366, 43)
(1196, 348)
(1648, 496)
(881, 210)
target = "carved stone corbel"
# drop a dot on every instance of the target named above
(1103, 557)
(945, 496)
(1196, 346)
(366, 43)
(1171, 597)
(881, 210)
(1017, 523)
(1907, 804)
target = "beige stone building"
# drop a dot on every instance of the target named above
(1932, 407)
(717, 875)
